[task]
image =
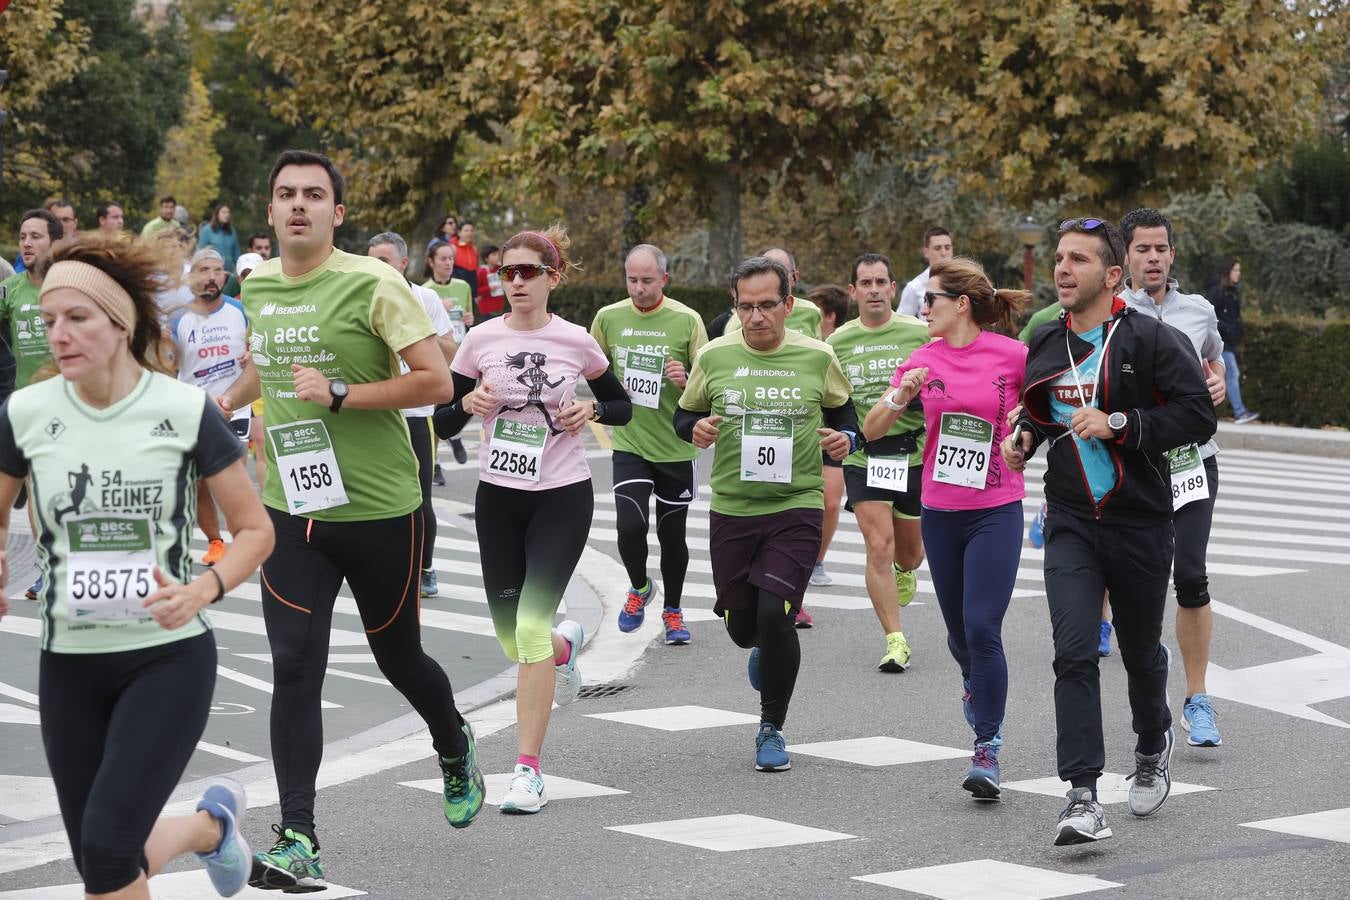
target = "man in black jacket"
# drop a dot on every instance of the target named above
(1111, 391)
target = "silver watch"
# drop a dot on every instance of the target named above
(888, 401)
(1117, 422)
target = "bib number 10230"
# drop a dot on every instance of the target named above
(964, 445)
(307, 466)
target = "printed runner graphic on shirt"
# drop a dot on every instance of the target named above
(108, 491)
(535, 378)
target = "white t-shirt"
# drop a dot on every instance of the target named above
(441, 322)
(911, 297)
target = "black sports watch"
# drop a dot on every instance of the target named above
(338, 388)
(1117, 422)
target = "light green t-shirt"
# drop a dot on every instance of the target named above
(349, 317)
(670, 331)
(1042, 316)
(869, 357)
(804, 318)
(780, 393)
(457, 291)
(27, 335)
(139, 460)
(156, 225)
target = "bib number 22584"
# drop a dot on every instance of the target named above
(517, 449)
(307, 466)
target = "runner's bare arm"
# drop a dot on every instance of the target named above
(244, 391)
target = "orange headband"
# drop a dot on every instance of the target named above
(95, 284)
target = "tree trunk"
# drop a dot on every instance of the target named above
(433, 209)
(724, 225)
(634, 204)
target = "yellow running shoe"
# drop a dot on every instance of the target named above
(897, 653)
(906, 583)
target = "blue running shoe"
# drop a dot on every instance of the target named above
(752, 668)
(35, 590)
(1197, 717)
(676, 632)
(429, 586)
(982, 779)
(635, 607)
(770, 751)
(230, 863)
(1036, 533)
(1104, 641)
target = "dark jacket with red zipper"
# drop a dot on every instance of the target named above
(1152, 375)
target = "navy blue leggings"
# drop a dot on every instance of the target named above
(972, 556)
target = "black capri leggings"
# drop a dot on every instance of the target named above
(119, 729)
(424, 448)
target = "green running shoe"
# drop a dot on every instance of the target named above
(464, 788)
(291, 866)
(897, 653)
(906, 583)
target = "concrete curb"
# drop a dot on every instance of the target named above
(1284, 439)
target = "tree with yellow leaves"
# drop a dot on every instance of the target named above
(189, 169)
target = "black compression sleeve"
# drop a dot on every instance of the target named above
(685, 420)
(449, 418)
(612, 401)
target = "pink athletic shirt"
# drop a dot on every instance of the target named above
(982, 379)
(534, 376)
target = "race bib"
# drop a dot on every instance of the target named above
(766, 448)
(517, 449)
(110, 570)
(1189, 482)
(964, 445)
(642, 376)
(889, 473)
(307, 466)
(457, 328)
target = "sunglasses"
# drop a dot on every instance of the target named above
(526, 271)
(1085, 224)
(928, 296)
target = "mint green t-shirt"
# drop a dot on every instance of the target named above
(26, 334)
(1041, 317)
(94, 472)
(780, 393)
(349, 317)
(804, 318)
(456, 291)
(647, 339)
(869, 357)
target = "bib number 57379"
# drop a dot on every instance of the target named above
(964, 445)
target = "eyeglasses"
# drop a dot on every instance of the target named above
(527, 271)
(1085, 224)
(929, 295)
(748, 309)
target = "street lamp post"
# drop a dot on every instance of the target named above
(1029, 232)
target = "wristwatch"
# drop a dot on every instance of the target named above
(891, 404)
(598, 411)
(1117, 422)
(338, 388)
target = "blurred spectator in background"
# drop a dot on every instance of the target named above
(448, 229)
(110, 219)
(1226, 296)
(491, 294)
(832, 301)
(167, 207)
(219, 234)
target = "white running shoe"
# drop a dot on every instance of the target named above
(819, 577)
(526, 794)
(566, 677)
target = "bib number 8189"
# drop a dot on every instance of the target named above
(509, 463)
(312, 476)
(1192, 483)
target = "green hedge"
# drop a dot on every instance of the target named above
(1295, 372)
(578, 303)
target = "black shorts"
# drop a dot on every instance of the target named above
(674, 483)
(774, 552)
(903, 506)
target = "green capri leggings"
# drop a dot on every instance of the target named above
(528, 545)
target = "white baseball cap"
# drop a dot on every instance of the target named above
(246, 262)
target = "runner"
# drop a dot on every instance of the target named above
(519, 372)
(1150, 253)
(128, 659)
(805, 315)
(457, 295)
(832, 301)
(341, 491)
(772, 400)
(491, 293)
(1109, 521)
(209, 339)
(243, 268)
(390, 247)
(651, 339)
(884, 478)
(937, 246)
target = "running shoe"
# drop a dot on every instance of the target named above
(982, 779)
(1246, 417)
(673, 619)
(215, 551)
(752, 669)
(35, 589)
(770, 750)
(1036, 533)
(230, 863)
(897, 653)
(1082, 821)
(526, 794)
(906, 583)
(803, 619)
(634, 608)
(437, 476)
(457, 448)
(566, 677)
(819, 577)
(968, 710)
(1104, 639)
(464, 788)
(291, 866)
(1152, 779)
(430, 587)
(1197, 717)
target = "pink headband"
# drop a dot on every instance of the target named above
(557, 257)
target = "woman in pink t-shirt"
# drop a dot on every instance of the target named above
(519, 373)
(968, 380)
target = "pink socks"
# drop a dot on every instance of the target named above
(566, 654)
(531, 761)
